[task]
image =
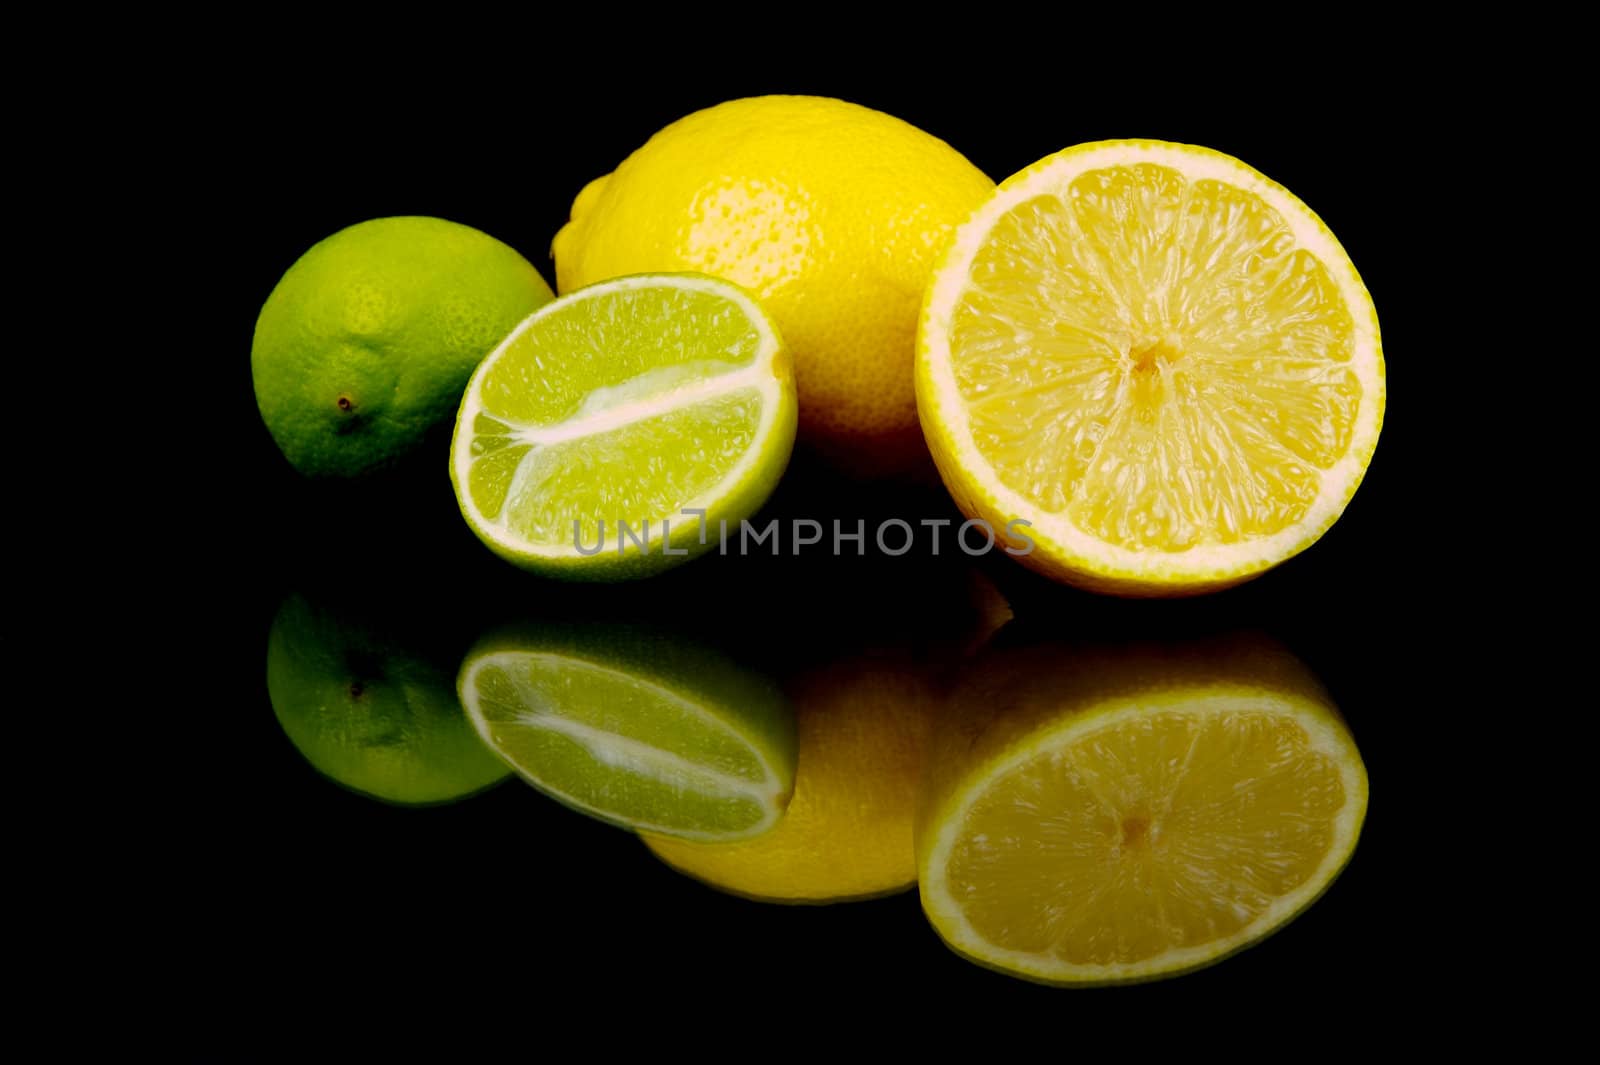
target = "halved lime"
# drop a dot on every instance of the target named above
(635, 727)
(589, 440)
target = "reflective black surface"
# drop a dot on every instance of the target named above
(276, 855)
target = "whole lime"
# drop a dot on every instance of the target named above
(367, 342)
(376, 714)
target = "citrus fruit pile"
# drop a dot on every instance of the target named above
(1155, 360)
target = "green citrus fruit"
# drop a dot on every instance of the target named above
(379, 719)
(367, 341)
(663, 402)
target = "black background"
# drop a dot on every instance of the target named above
(267, 883)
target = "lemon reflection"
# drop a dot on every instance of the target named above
(1110, 814)
(848, 831)
(864, 702)
(375, 713)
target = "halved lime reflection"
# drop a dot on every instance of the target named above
(635, 726)
(371, 712)
(1120, 813)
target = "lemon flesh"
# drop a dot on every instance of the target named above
(629, 403)
(1157, 356)
(1141, 830)
(635, 730)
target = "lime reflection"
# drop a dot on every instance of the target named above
(374, 714)
(634, 725)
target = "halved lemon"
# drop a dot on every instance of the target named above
(615, 430)
(1157, 357)
(1117, 815)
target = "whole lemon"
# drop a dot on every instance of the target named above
(366, 343)
(831, 213)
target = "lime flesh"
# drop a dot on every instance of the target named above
(634, 403)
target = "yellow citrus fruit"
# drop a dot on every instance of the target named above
(847, 833)
(1156, 356)
(1131, 813)
(831, 213)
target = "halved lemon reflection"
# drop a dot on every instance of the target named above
(1104, 815)
(635, 726)
(374, 712)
